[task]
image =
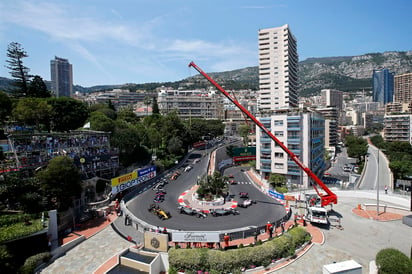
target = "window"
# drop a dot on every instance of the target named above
(279, 155)
(278, 165)
(279, 133)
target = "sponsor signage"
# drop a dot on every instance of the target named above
(244, 158)
(132, 179)
(244, 151)
(195, 237)
(276, 194)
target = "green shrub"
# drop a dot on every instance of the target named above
(34, 261)
(393, 261)
(19, 229)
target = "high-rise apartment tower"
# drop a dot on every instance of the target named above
(61, 77)
(278, 69)
(403, 88)
(382, 86)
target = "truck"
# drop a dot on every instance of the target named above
(315, 213)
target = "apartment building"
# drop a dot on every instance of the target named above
(403, 88)
(332, 97)
(191, 103)
(398, 128)
(303, 133)
(278, 69)
(61, 77)
(331, 116)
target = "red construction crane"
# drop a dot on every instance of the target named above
(327, 198)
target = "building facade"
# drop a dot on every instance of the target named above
(332, 98)
(61, 77)
(278, 69)
(303, 134)
(191, 103)
(398, 128)
(330, 115)
(383, 84)
(403, 89)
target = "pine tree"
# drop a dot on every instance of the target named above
(18, 71)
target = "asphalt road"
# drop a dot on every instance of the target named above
(266, 209)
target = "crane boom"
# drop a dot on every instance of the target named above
(327, 198)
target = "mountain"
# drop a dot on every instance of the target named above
(349, 73)
(345, 73)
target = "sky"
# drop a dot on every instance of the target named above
(143, 41)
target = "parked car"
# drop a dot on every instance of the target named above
(188, 168)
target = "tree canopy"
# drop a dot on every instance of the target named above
(37, 88)
(18, 71)
(67, 113)
(60, 181)
(5, 107)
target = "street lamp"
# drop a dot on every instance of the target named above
(377, 185)
(377, 189)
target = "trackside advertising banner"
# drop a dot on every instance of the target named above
(276, 194)
(132, 179)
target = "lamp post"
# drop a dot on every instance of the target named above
(377, 189)
(377, 184)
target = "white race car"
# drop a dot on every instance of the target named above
(246, 203)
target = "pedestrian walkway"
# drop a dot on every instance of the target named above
(373, 215)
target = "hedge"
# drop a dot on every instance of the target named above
(34, 261)
(234, 260)
(393, 261)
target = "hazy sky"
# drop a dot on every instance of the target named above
(136, 41)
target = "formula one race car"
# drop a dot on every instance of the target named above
(159, 198)
(246, 203)
(223, 212)
(159, 212)
(192, 212)
(244, 195)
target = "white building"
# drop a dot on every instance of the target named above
(278, 69)
(191, 103)
(303, 134)
(398, 128)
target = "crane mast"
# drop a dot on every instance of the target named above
(327, 198)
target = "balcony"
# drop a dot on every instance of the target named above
(265, 161)
(265, 150)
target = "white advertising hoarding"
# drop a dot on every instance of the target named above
(195, 237)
